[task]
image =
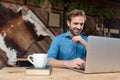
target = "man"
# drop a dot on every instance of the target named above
(68, 50)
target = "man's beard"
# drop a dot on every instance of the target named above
(73, 33)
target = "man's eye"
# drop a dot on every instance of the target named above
(81, 24)
(76, 23)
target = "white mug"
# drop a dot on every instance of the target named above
(38, 60)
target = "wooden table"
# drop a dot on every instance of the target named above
(18, 73)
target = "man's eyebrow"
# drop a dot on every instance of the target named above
(81, 23)
(78, 23)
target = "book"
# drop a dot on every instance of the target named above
(38, 71)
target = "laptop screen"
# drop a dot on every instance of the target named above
(103, 54)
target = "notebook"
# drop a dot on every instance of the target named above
(103, 55)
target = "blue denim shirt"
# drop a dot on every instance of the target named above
(63, 48)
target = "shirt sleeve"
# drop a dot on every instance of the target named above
(53, 50)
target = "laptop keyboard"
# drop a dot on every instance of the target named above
(79, 70)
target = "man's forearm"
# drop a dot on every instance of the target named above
(75, 63)
(86, 45)
(57, 63)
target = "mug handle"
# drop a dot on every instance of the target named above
(29, 59)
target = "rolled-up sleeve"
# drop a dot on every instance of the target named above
(53, 50)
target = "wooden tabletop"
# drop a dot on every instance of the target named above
(18, 73)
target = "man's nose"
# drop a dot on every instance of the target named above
(78, 26)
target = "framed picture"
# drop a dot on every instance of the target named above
(54, 19)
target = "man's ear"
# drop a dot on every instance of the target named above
(68, 23)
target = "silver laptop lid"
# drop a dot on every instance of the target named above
(103, 55)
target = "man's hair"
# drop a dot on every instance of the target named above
(74, 13)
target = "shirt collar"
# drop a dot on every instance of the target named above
(67, 34)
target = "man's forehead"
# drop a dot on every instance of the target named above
(78, 19)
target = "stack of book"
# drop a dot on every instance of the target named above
(38, 71)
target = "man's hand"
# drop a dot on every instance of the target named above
(76, 63)
(79, 39)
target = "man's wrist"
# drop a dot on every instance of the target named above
(66, 64)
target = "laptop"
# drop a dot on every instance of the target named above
(103, 55)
